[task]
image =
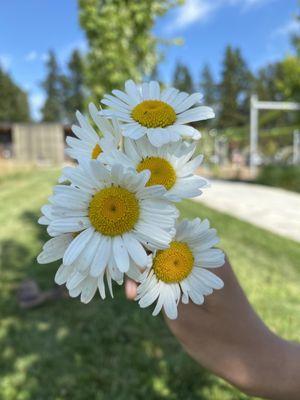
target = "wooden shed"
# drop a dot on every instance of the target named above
(38, 143)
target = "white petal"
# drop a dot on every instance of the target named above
(74, 280)
(160, 302)
(44, 221)
(154, 90)
(101, 286)
(196, 114)
(101, 257)
(151, 191)
(130, 150)
(54, 249)
(160, 136)
(77, 245)
(62, 274)
(120, 254)
(196, 297)
(145, 90)
(169, 94)
(185, 131)
(134, 130)
(191, 166)
(72, 224)
(124, 97)
(88, 290)
(213, 280)
(177, 101)
(188, 102)
(132, 90)
(170, 306)
(87, 255)
(135, 250)
(149, 297)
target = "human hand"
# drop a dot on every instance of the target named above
(226, 336)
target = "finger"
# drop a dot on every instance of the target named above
(130, 289)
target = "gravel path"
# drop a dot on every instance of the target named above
(274, 209)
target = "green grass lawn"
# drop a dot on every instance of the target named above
(113, 350)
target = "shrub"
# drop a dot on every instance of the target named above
(286, 177)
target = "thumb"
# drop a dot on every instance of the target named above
(130, 289)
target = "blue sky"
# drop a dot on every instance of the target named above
(261, 28)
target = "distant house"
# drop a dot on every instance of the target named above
(42, 143)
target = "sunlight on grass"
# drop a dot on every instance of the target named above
(112, 349)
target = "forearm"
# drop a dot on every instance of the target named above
(226, 336)
(269, 369)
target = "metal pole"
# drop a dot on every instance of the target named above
(296, 147)
(253, 133)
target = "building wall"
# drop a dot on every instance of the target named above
(38, 143)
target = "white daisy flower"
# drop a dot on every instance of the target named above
(76, 275)
(83, 284)
(79, 280)
(162, 115)
(114, 214)
(171, 165)
(182, 270)
(88, 143)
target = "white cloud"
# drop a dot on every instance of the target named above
(5, 61)
(247, 5)
(288, 28)
(256, 2)
(31, 56)
(193, 11)
(44, 57)
(27, 87)
(190, 12)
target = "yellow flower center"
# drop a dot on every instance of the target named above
(162, 172)
(173, 264)
(154, 114)
(96, 151)
(114, 211)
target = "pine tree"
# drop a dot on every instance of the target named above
(208, 87)
(73, 86)
(182, 79)
(53, 109)
(235, 88)
(265, 83)
(14, 105)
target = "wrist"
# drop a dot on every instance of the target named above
(272, 371)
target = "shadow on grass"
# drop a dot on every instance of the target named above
(104, 350)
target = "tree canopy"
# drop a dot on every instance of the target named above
(208, 86)
(52, 110)
(65, 93)
(121, 42)
(182, 79)
(73, 88)
(235, 87)
(14, 105)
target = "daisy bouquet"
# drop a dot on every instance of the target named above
(114, 214)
